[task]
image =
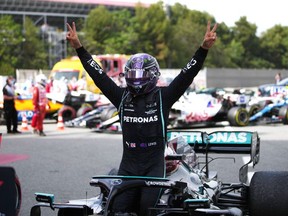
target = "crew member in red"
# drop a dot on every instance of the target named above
(39, 103)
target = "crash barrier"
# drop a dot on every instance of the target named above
(60, 123)
(24, 125)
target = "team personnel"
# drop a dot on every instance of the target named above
(143, 110)
(10, 111)
(39, 102)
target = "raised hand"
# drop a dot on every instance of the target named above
(209, 37)
(72, 36)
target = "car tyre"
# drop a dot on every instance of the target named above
(268, 193)
(283, 114)
(252, 110)
(19, 195)
(67, 112)
(83, 110)
(238, 116)
(35, 211)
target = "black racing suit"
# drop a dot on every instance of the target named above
(144, 120)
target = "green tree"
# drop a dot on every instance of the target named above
(227, 49)
(225, 33)
(33, 53)
(122, 34)
(240, 46)
(182, 42)
(186, 35)
(10, 44)
(150, 26)
(177, 12)
(235, 51)
(172, 34)
(245, 33)
(109, 31)
(176, 35)
(275, 44)
(99, 27)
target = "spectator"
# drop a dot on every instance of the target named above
(72, 85)
(278, 78)
(81, 83)
(49, 86)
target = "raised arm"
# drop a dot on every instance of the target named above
(95, 71)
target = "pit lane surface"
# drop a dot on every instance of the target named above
(63, 162)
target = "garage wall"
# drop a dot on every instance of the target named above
(241, 77)
(225, 77)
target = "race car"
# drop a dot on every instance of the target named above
(272, 109)
(67, 105)
(95, 117)
(210, 107)
(190, 187)
(24, 107)
(273, 89)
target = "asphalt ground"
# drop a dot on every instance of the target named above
(63, 162)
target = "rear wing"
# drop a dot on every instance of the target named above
(236, 142)
(223, 142)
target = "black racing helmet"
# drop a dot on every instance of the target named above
(141, 73)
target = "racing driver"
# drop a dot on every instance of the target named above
(143, 110)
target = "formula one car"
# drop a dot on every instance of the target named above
(77, 103)
(94, 118)
(190, 188)
(103, 118)
(194, 109)
(273, 89)
(24, 106)
(269, 110)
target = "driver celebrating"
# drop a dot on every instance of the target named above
(143, 110)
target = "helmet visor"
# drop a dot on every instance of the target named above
(137, 74)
